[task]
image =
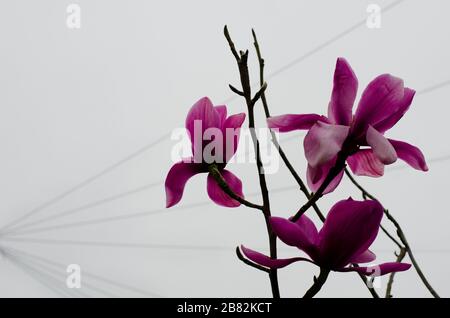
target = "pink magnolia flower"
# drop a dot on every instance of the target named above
(383, 103)
(349, 230)
(208, 124)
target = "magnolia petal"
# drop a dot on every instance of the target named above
(290, 122)
(231, 130)
(410, 154)
(345, 88)
(404, 105)
(301, 234)
(222, 112)
(176, 180)
(381, 147)
(365, 257)
(266, 261)
(201, 117)
(216, 193)
(365, 163)
(323, 142)
(382, 98)
(378, 270)
(349, 230)
(315, 176)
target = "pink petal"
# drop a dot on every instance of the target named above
(323, 142)
(365, 163)
(302, 234)
(266, 261)
(201, 116)
(410, 154)
(349, 229)
(390, 121)
(378, 270)
(285, 123)
(365, 257)
(382, 98)
(231, 130)
(222, 112)
(344, 94)
(317, 175)
(381, 147)
(177, 178)
(216, 193)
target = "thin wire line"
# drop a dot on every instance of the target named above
(55, 276)
(121, 244)
(434, 87)
(54, 270)
(85, 207)
(175, 247)
(162, 138)
(85, 182)
(130, 216)
(322, 46)
(90, 274)
(36, 275)
(164, 210)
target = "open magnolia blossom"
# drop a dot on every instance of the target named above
(208, 124)
(383, 103)
(349, 230)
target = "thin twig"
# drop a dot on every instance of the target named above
(235, 90)
(333, 173)
(259, 94)
(249, 263)
(274, 138)
(401, 255)
(372, 290)
(215, 173)
(389, 235)
(318, 283)
(283, 156)
(401, 236)
(241, 60)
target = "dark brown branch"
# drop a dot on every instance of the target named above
(318, 283)
(333, 173)
(235, 90)
(389, 235)
(250, 263)
(259, 94)
(372, 290)
(231, 44)
(241, 60)
(215, 173)
(401, 255)
(400, 235)
(283, 156)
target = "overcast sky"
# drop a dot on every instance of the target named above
(86, 116)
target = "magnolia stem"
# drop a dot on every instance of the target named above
(215, 173)
(318, 283)
(277, 145)
(401, 255)
(333, 173)
(400, 235)
(241, 60)
(249, 263)
(283, 156)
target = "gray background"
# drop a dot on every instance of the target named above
(83, 132)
